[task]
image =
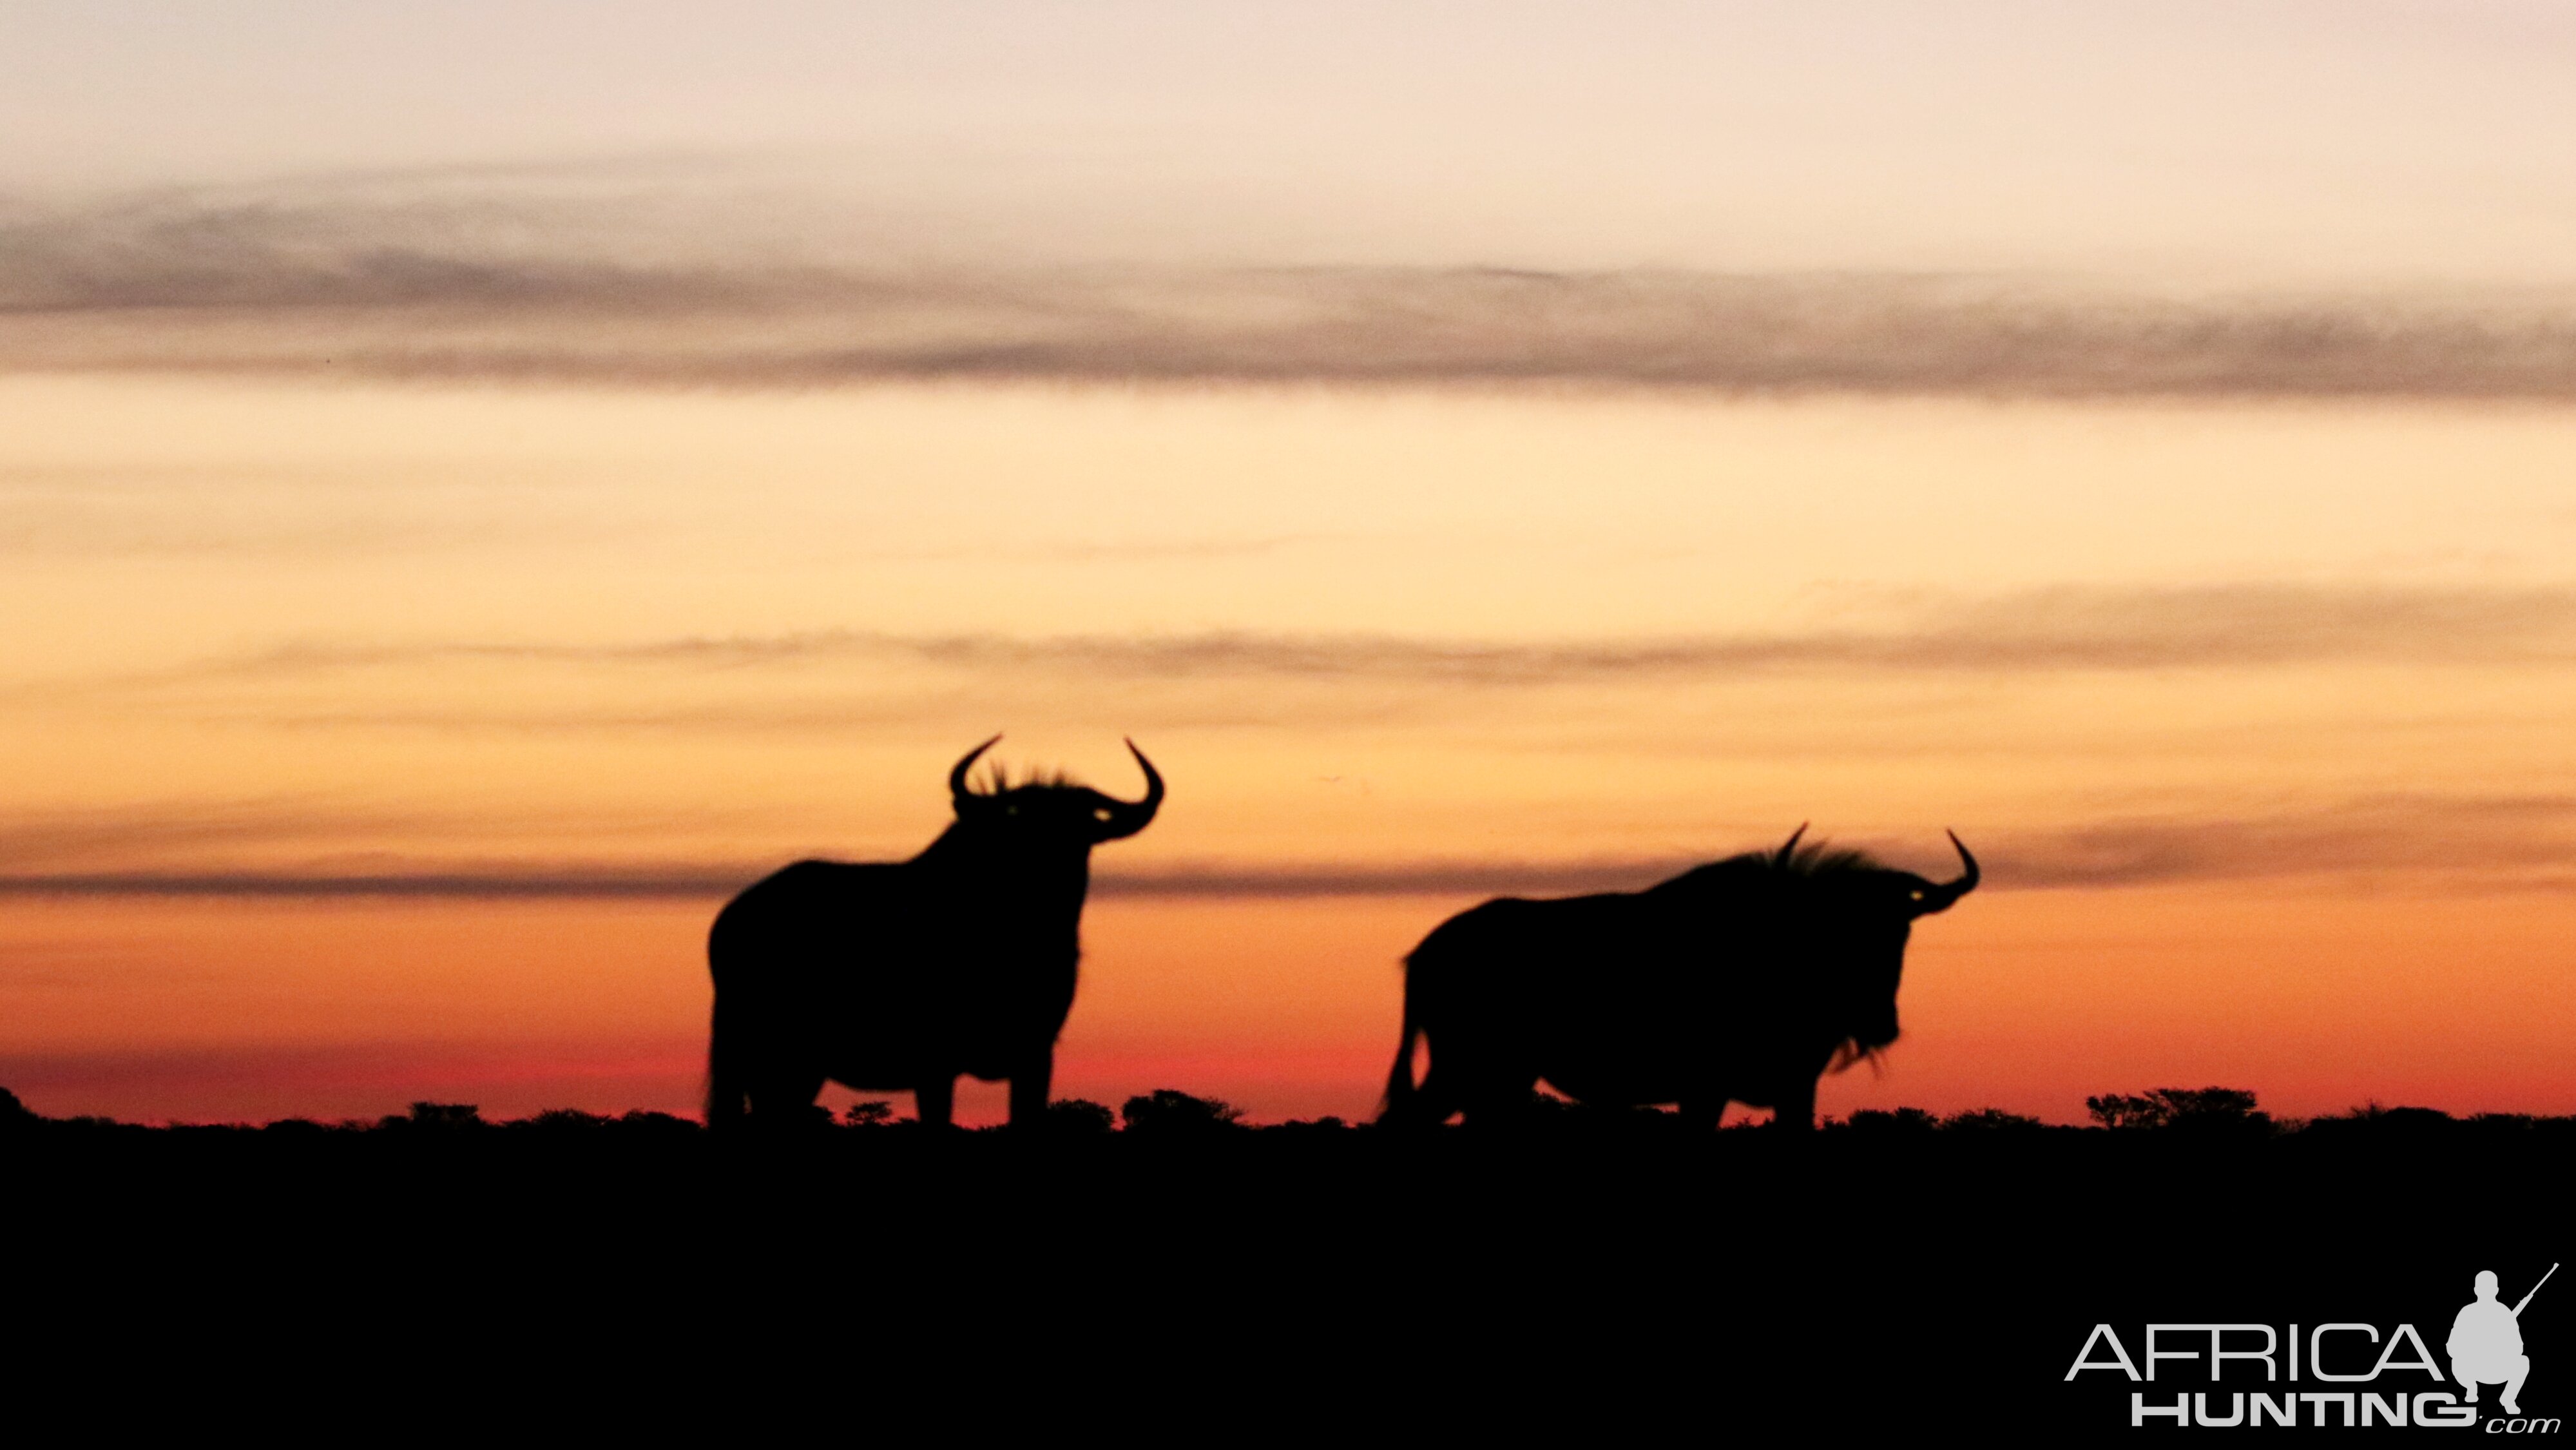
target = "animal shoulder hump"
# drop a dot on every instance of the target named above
(819, 880)
(1476, 923)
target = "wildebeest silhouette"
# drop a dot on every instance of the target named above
(901, 976)
(1741, 980)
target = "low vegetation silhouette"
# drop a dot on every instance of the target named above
(904, 976)
(2213, 1116)
(2202, 1110)
(1739, 981)
(1168, 1113)
(1931, 1266)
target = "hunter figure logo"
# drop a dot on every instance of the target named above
(2361, 1376)
(2486, 1343)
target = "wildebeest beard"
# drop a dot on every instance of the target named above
(1853, 1052)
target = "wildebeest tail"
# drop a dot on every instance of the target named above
(1400, 1091)
(726, 1099)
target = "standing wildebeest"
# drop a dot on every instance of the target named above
(903, 975)
(1739, 981)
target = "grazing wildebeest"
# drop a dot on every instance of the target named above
(903, 975)
(1742, 980)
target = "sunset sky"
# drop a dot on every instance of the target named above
(480, 483)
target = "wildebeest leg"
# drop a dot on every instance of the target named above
(784, 1098)
(1500, 1099)
(934, 1100)
(1029, 1090)
(1427, 1106)
(1796, 1112)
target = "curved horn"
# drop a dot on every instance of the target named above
(1789, 849)
(1127, 819)
(1939, 898)
(958, 790)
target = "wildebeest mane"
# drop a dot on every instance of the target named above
(1816, 859)
(1822, 859)
(1810, 861)
(997, 780)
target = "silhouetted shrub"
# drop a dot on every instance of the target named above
(15, 1114)
(2210, 1109)
(637, 1120)
(2119, 1110)
(868, 1115)
(2375, 1121)
(439, 1115)
(1080, 1118)
(295, 1128)
(565, 1120)
(1989, 1120)
(1902, 1120)
(1169, 1111)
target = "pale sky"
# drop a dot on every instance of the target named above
(2358, 140)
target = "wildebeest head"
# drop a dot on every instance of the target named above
(1855, 916)
(1042, 814)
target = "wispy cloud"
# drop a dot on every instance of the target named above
(2489, 841)
(2433, 842)
(714, 881)
(53, 837)
(530, 881)
(2048, 629)
(85, 848)
(532, 286)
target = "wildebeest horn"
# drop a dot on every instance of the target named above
(1127, 819)
(958, 790)
(1789, 849)
(1940, 898)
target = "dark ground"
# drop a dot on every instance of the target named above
(1608, 1275)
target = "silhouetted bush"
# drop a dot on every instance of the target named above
(563, 1120)
(1989, 1120)
(1902, 1120)
(868, 1115)
(2372, 1120)
(15, 1114)
(446, 1116)
(1080, 1118)
(2199, 1110)
(1169, 1111)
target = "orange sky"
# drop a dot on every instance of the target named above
(2258, 724)
(478, 484)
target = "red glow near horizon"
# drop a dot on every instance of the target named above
(2029, 1001)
